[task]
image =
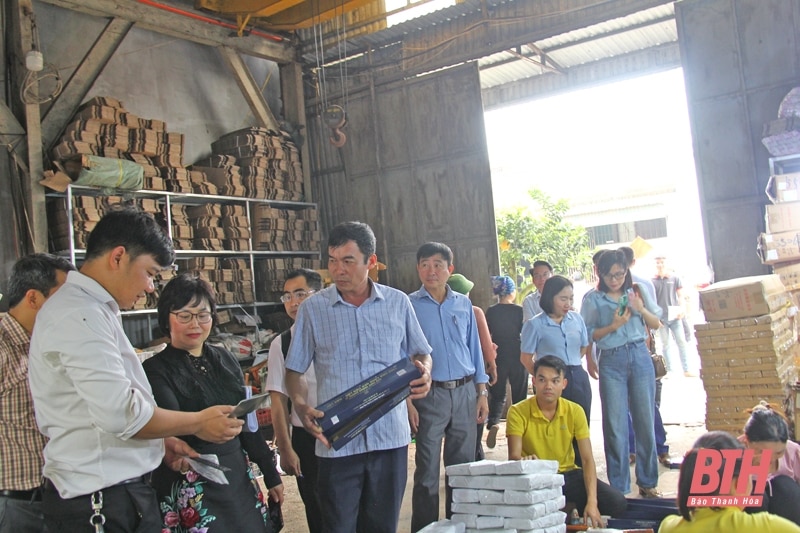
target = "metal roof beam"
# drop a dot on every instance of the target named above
(655, 59)
(611, 33)
(169, 20)
(491, 30)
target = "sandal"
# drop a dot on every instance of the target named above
(491, 438)
(651, 492)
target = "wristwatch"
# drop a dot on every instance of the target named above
(483, 392)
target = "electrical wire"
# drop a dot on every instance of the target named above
(29, 93)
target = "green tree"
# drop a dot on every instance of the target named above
(525, 237)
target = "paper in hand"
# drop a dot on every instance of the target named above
(207, 465)
(259, 401)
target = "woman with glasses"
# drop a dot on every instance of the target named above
(615, 316)
(190, 375)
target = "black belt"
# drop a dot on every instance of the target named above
(49, 485)
(33, 495)
(452, 384)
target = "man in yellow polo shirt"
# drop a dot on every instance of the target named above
(543, 426)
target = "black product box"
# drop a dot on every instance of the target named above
(346, 410)
(341, 436)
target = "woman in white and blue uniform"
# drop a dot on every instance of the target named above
(615, 316)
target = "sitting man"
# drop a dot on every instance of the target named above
(543, 426)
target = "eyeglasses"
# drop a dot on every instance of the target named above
(299, 295)
(616, 277)
(546, 275)
(184, 317)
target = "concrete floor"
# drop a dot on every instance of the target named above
(682, 409)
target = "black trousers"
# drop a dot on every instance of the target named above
(303, 443)
(610, 501)
(508, 371)
(781, 497)
(128, 508)
(362, 493)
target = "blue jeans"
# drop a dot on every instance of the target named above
(676, 327)
(661, 435)
(628, 383)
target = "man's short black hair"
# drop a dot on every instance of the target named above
(312, 277)
(550, 361)
(37, 272)
(541, 263)
(429, 249)
(134, 229)
(358, 232)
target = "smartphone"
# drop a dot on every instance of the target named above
(623, 304)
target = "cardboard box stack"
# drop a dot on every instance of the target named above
(271, 273)
(256, 163)
(86, 212)
(210, 226)
(747, 346)
(231, 278)
(285, 229)
(103, 127)
(508, 496)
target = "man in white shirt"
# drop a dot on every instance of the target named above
(541, 272)
(90, 393)
(296, 450)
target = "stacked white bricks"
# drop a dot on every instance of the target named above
(508, 496)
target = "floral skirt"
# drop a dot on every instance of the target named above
(192, 504)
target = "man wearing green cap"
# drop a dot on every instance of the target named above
(462, 285)
(458, 396)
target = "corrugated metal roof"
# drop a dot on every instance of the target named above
(616, 37)
(613, 38)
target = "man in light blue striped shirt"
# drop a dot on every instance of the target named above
(351, 331)
(458, 397)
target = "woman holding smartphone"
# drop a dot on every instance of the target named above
(190, 375)
(615, 316)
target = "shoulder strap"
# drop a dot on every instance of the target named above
(286, 340)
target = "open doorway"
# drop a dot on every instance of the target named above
(620, 154)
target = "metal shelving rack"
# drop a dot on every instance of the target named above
(176, 198)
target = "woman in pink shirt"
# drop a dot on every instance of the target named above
(766, 429)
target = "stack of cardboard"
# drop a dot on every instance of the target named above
(285, 229)
(231, 278)
(86, 212)
(748, 348)
(508, 496)
(256, 163)
(780, 247)
(103, 127)
(271, 274)
(210, 226)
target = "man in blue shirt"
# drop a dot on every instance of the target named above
(541, 272)
(449, 411)
(352, 331)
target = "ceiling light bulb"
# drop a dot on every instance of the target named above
(34, 61)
